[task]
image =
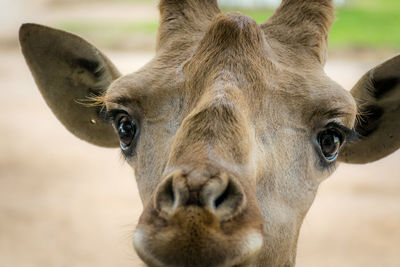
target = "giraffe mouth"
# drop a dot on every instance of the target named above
(194, 237)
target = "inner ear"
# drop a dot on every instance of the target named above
(385, 79)
(68, 71)
(378, 98)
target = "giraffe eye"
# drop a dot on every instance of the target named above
(329, 141)
(127, 129)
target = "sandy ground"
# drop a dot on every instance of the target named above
(66, 203)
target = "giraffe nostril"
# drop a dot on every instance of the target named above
(223, 197)
(165, 198)
(230, 201)
(171, 193)
(220, 194)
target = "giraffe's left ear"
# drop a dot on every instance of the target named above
(68, 70)
(378, 98)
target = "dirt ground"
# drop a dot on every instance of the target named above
(66, 203)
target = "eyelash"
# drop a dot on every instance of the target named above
(113, 114)
(349, 135)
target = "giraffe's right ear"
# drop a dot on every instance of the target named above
(377, 95)
(68, 70)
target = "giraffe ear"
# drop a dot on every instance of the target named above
(68, 70)
(378, 97)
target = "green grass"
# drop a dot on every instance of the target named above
(116, 28)
(361, 23)
(259, 15)
(376, 4)
(131, 1)
(114, 35)
(367, 28)
(364, 23)
(368, 23)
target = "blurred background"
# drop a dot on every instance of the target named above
(64, 202)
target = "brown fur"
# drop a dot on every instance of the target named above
(227, 162)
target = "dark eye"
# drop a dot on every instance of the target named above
(127, 129)
(330, 141)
